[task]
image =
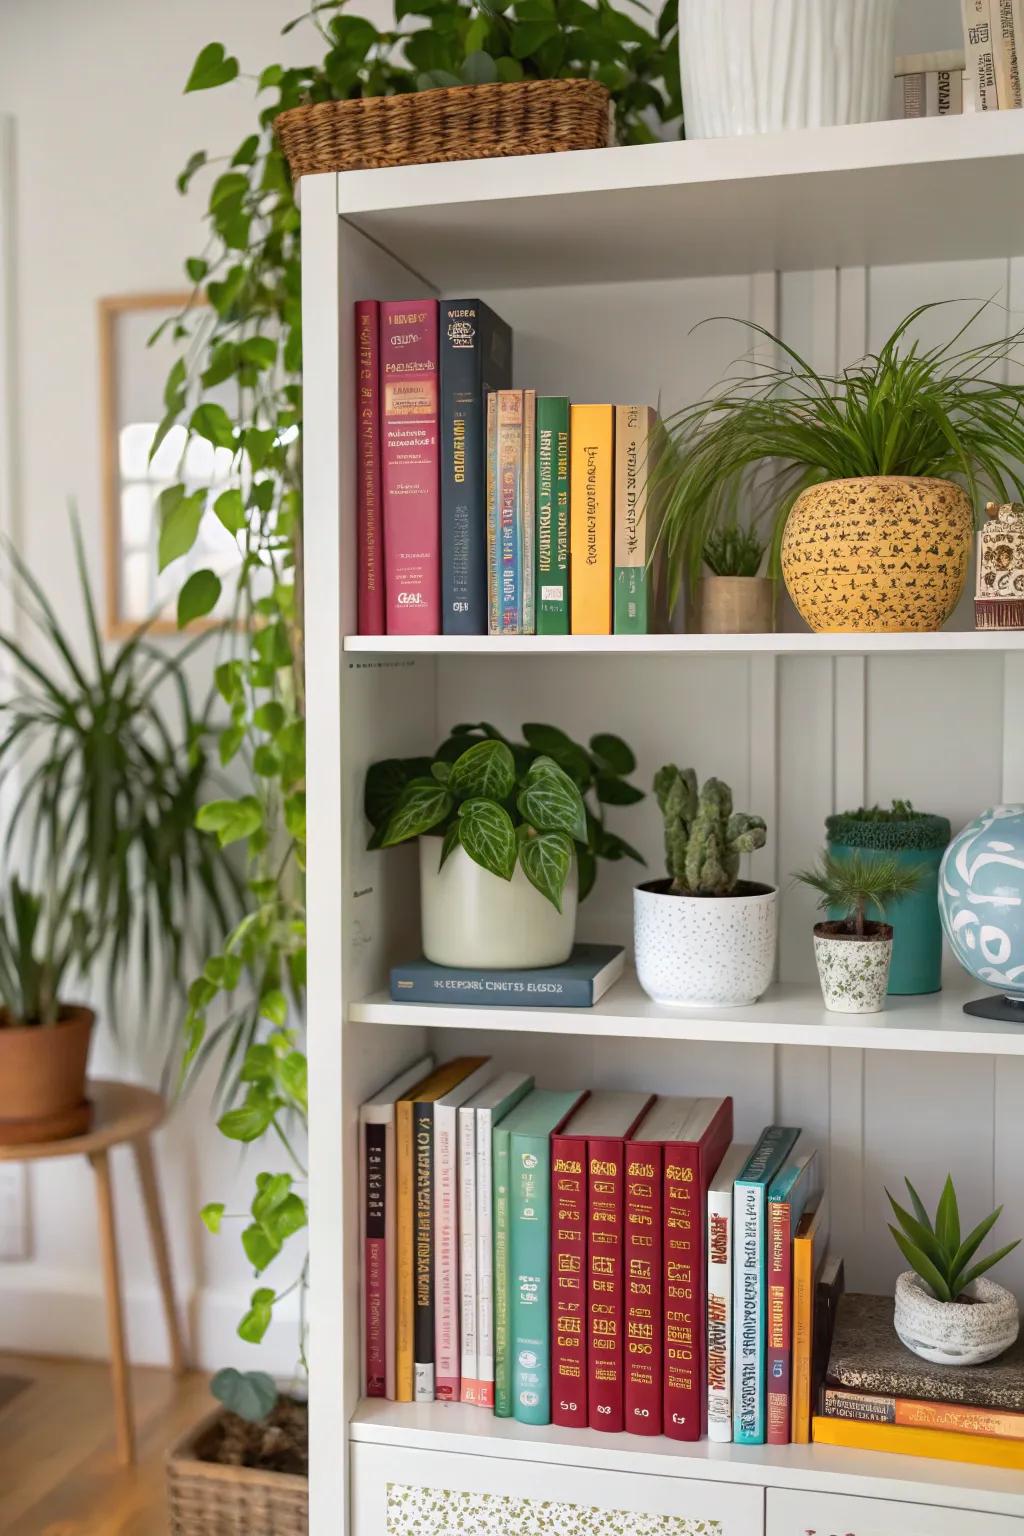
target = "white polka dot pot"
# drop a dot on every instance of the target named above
(854, 973)
(705, 951)
(956, 1332)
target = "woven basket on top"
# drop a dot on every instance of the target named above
(206, 1499)
(465, 122)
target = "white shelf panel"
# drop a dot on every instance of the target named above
(871, 194)
(460, 1430)
(987, 641)
(786, 1015)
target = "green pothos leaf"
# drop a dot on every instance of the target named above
(546, 862)
(488, 836)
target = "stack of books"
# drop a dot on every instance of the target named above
(993, 46)
(601, 1259)
(484, 509)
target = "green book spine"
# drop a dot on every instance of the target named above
(634, 526)
(530, 1287)
(502, 1359)
(552, 498)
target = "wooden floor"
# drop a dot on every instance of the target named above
(59, 1474)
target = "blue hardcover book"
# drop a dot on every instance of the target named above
(750, 1339)
(475, 358)
(584, 978)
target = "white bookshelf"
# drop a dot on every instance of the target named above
(830, 237)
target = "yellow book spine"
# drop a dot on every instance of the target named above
(591, 499)
(803, 1311)
(937, 1444)
(403, 1253)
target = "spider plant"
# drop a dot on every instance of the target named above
(733, 551)
(856, 882)
(904, 410)
(934, 1248)
(41, 940)
(106, 766)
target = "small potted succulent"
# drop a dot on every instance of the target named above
(509, 833)
(853, 952)
(945, 1311)
(704, 937)
(734, 597)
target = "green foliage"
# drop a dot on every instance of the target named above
(900, 828)
(537, 802)
(704, 836)
(935, 1249)
(41, 939)
(857, 882)
(734, 551)
(905, 410)
(250, 1394)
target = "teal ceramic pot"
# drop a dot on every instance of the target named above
(915, 841)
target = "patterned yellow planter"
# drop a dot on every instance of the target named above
(881, 554)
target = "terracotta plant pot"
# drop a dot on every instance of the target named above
(854, 973)
(956, 1332)
(879, 555)
(42, 1078)
(736, 605)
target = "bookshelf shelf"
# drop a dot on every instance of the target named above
(787, 1015)
(949, 642)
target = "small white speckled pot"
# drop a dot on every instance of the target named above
(704, 951)
(954, 1332)
(854, 973)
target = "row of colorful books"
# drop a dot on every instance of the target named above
(604, 1259)
(487, 509)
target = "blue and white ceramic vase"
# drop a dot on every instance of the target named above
(981, 902)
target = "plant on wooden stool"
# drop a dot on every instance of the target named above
(854, 952)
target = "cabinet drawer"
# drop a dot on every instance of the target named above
(399, 1492)
(832, 1514)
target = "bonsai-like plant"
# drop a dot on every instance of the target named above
(537, 803)
(41, 939)
(934, 1249)
(704, 836)
(906, 410)
(734, 551)
(856, 883)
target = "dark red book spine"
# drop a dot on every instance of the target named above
(375, 1263)
(411, 466)
(370, 615)
(780, 1305)
(605, 1244)
(568, 1282)
(642, 1385)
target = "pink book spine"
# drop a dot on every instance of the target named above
(410, 466)
(370, 613)
(447, 1353)
(375, 1262)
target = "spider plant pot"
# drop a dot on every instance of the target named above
(956, 1332)
(473, 920)
(853, 971)
(884, 554)
(761, 66)
(736, 605)
(705, 951)
(42, 1078)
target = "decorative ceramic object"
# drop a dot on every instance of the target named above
(956, 1332)
(999, 593)
(704, 951)
(736, 605)
(981, 903)
(916, 842)
(762, 66)
(473, 919)
(884, 554)
(854, 973)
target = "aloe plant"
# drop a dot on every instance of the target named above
(935, 1249)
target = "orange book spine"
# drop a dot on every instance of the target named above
(403, 1253)
(803, 1313)
(912, 1413)
(591, 498)
(936, 1444)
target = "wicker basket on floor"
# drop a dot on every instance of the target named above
(205, 1499)
(465, 122)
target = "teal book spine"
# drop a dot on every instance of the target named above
(500, 1151)
(552, 499)
(530, 1288)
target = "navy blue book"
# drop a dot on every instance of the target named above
(584, 978)
(475, 358)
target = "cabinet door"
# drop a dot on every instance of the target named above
(831, 1514)
(399, 1492)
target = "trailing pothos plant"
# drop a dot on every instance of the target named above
(536, 803)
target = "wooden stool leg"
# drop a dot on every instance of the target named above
(115, 1316)
(143, 1150)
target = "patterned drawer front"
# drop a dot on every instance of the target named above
(830, 1514)
(420, 1493)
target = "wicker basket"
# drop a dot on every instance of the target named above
(205, 1499)
(466, 122)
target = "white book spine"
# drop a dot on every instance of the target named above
(747, 1247)
(1005, 49)
(467, 1245)
(484, 1261)
(720, 1314)
(446, 1253)
(980, 54)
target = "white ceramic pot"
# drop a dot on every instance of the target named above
(704, 951)
(854, 973)
(472, 919)
(955, 1332)
(761, 66)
